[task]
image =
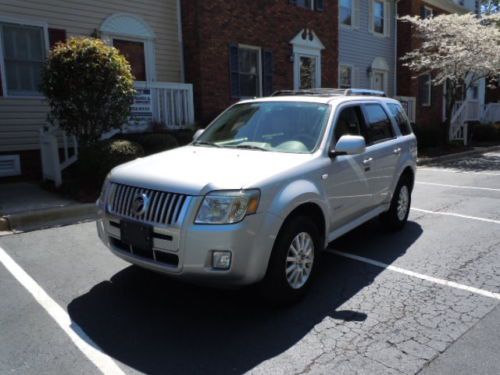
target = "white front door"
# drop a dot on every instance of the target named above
(378, 81)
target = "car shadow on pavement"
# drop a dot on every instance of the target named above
(157, 325)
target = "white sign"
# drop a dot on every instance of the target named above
(141, 113)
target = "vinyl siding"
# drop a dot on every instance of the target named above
(358, 47)
(21, 118)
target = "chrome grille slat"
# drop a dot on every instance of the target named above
(164, 207)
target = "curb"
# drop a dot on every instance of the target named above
(458, 155)
(38, 219)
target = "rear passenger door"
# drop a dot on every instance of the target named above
(382, 151)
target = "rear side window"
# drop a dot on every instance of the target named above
(401, 119)
(378, 127)
(348, 122)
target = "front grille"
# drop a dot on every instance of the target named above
(164, 208)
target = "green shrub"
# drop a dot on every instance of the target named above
(428, 136)
(154, 143)
(95, 161)
(487, 133)
(89, 87)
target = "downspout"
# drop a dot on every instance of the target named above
(396, 47)
(181, 40)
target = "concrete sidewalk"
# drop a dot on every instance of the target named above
(26, 206)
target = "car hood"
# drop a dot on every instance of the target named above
(199, 170)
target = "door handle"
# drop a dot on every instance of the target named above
(367, 161)
(397, 150)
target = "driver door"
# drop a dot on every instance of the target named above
(347, 185)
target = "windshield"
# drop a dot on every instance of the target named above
(294, 127)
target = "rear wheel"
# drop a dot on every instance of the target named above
(293, 262)
(397, 216)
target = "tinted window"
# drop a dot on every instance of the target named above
(401, 119)
(348, 122)
(379, 126)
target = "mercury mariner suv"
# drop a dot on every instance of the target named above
(263, 189)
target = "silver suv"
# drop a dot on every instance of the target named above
(263, 189)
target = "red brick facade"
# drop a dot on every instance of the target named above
(210, 27)
(407, 84)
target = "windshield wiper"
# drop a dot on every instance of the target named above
(205, 143)
(251, 147)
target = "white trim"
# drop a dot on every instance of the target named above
(431, 10)
(259, 66)
(22, 22)
(311, 47)
(117, 27)
(16, 165)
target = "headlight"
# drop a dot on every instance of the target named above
(227, 207)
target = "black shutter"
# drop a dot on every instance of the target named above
(267, 72)
(293, 2)
(1, 89)
(234, 70)
(56, 36)
(318, 5)
(422, 88)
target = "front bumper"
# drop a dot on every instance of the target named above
(185, 252)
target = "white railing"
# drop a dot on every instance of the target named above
(409, 103)
(463, 112)
(171, 103)
(491, 113)
(51, 138)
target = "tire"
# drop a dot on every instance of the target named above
(280, 287)
(397, 216)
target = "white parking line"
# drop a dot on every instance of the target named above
(431, 279)
(456, 215)
(101, 360)
(456, 186)
(425, 169)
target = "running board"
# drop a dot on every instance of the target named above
(356, 223)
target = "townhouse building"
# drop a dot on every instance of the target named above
(242, 49)
(147, 32)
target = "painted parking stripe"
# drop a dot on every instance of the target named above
(403, 271)
(456, 215)
(102, 361)
(425, 169)
(457, 186)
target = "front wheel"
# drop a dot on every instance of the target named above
(397, 216)
(293, 262)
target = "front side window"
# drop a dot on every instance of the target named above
(293, 127)
(349, 122)
(346, 12)
(249, 72)
(345, 77)
(399, 115)
(378, 125)
(24, 52)
(378, 17)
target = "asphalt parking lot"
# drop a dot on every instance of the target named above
(425, 300)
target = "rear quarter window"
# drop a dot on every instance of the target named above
(399, 114)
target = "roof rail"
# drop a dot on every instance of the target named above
(329, 92)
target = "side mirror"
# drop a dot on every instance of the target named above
(349, 145)
(197, 134)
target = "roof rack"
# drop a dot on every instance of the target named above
(329, 92)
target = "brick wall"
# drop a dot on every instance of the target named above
(209, 27)
(407, 82)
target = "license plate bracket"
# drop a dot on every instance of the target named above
(136, 234)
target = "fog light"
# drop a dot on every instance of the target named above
(221, 260)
